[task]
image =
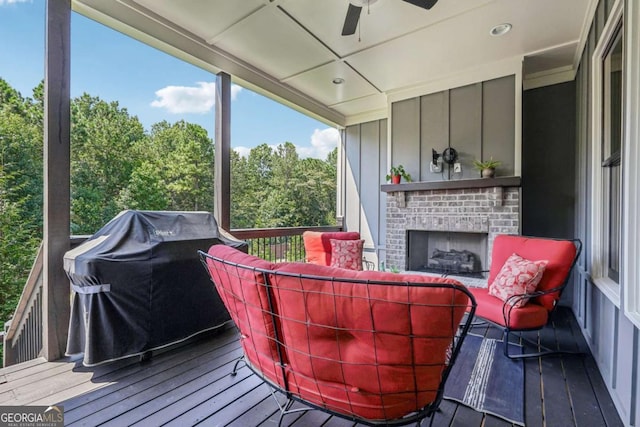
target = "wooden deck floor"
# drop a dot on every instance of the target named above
(191, 385)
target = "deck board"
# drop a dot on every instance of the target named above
(118, 379)
(190, 384)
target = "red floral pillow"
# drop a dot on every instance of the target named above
(346, 254)
(517, 276)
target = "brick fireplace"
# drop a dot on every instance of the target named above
(471, 207)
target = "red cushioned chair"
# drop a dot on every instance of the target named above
(538, 305)
(317, 246)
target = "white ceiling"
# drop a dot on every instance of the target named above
(293, 49)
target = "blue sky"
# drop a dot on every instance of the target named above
(150, 84)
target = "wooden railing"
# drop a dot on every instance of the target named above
(23, 338)
(277, 244)
(23, 333)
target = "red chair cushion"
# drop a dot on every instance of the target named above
(244, 293)
(559, 253)
(529, 316)
(377, 351)
(317, 244)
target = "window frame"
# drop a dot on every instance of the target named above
(599, 180)
(630, 273)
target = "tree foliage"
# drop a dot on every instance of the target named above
(275, 188)
(117, 165)
(102, 137)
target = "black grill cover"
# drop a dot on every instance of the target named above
(139, 284)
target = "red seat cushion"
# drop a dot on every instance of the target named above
(244, 293)
(529, 316)
(559, 253)
(377, 351)
(317, 244)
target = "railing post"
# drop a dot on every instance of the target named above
(57, 205)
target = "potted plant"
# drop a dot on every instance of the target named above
(396, 173)
(487, 168)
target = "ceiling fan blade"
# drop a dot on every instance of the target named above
(425, 4)
(351, 20)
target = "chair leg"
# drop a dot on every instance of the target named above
(545, 352)
(235, 366)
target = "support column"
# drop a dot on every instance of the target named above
(222, 196)
(57, 203)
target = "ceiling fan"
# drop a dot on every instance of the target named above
(355, 7)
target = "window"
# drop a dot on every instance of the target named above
(611, 152)
(607, 154)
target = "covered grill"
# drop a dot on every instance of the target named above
(139, 284)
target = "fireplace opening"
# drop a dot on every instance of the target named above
(447, 252)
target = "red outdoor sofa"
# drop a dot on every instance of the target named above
(369, 346)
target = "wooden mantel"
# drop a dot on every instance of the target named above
(502, 181)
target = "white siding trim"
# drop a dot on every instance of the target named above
(548, 78)
(370, 116)
(631, 159)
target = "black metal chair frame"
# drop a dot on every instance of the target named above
(509, 305)
(291, 398)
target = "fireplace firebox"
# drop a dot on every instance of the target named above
(446, 252)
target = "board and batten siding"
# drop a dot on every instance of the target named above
(364, 162)
(478, 120)
(612, 337)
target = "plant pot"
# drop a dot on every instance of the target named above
(395, 179)
(488, 173)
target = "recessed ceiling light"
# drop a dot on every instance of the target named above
(338, 81)
(363, 3)
(500, 30)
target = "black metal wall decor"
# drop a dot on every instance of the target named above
(435, 156)
(450, 155)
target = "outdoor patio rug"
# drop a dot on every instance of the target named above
(484, 379)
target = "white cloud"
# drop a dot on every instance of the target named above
(235, 90)
(3, 2)
(242, 151)
(198, 99)
(322, 143)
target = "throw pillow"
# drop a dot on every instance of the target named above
(347, 254)
(517, 276)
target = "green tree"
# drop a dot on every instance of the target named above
(244, 205)
(175, 170)
(316, 193)
(275, 188)
(18, 245)
(10, 99)
(145, 189)
(102, 135)
(251, 183)
(21, 154)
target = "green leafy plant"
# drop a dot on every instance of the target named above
(394, 269)
(487, 164)
(399, 171)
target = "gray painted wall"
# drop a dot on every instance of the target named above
(612, 337)
(365, 162)
(478, 120)
(549, 164)
(548, 161)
